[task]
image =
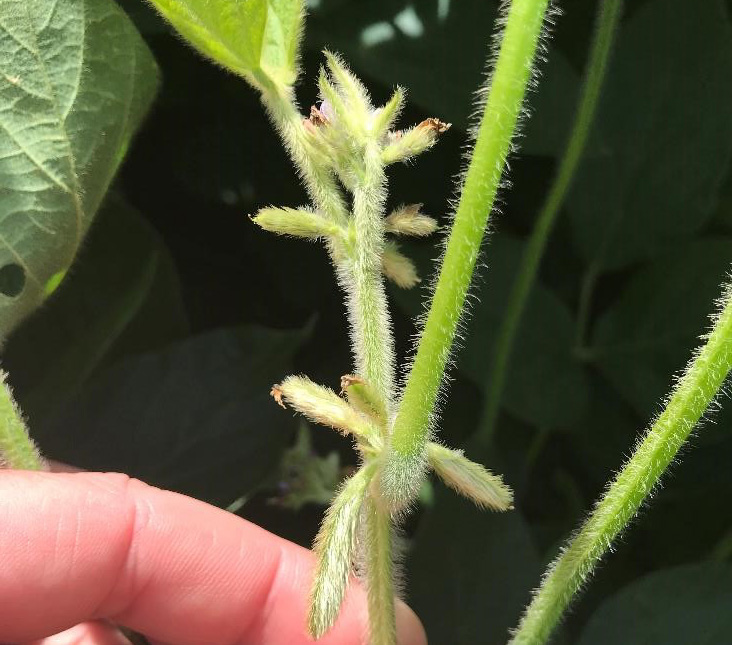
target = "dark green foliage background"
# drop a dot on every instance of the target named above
(156, 354)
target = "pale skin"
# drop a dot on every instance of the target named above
(85, 551)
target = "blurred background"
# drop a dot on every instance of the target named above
(156, 355)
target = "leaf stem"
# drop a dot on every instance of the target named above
(17, 449)
(692, 395)
(608, 18)
(380, 575)
(507, 85)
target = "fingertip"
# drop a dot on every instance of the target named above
(410, 630)
(93, 633)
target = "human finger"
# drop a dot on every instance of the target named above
(90, 546)
(96, 633)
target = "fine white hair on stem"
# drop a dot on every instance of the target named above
(639, 478)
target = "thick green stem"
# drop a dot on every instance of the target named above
(608, 18)
(694, 392)
(380, 575)
(17, 449)
(507, 85)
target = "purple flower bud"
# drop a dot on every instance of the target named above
(326, 109)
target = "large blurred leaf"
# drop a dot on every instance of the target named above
(665, 116)
(77, 80)
(691, 498)
(470, 572)
(649, 333)
(438, 57)
(249, 37)
(196, 417)
(545, 385)
(679, 606)
(122, 296)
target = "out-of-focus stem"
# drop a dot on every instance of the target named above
(608, 18)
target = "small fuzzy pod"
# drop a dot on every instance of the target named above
(349, 87)
(470, 479)
(383, 118)
(342, 119)
(322, 405)
(296, 222)
(407, 220)
(364, 398)
(398, 267)
(405, 145)
(334, 548)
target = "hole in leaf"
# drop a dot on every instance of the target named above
(12, 280)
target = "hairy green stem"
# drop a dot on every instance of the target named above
(359, 273)
(692, 395)
(17, 449)
(369, 312)
(319, 182)
(608, 18)
(380, 575)
(508, 85)
(358, 268)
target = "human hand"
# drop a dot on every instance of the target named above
(95, 549)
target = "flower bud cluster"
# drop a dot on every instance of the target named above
(337, 136)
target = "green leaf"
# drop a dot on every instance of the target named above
(195, 417)
(647, 335)
(281, 39)
(256, 39)
(545, 384)
(304, 477)
(77, 80)
(122, 297)
(665, 116)
(723, 214)
(470, 572)
(678, 606)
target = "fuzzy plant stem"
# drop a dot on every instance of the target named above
(608, 18)
(319, 182)
(17, 449)
(379, 575)
(368, 308)
(359, 274)
(507, 88)
(693, 394)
